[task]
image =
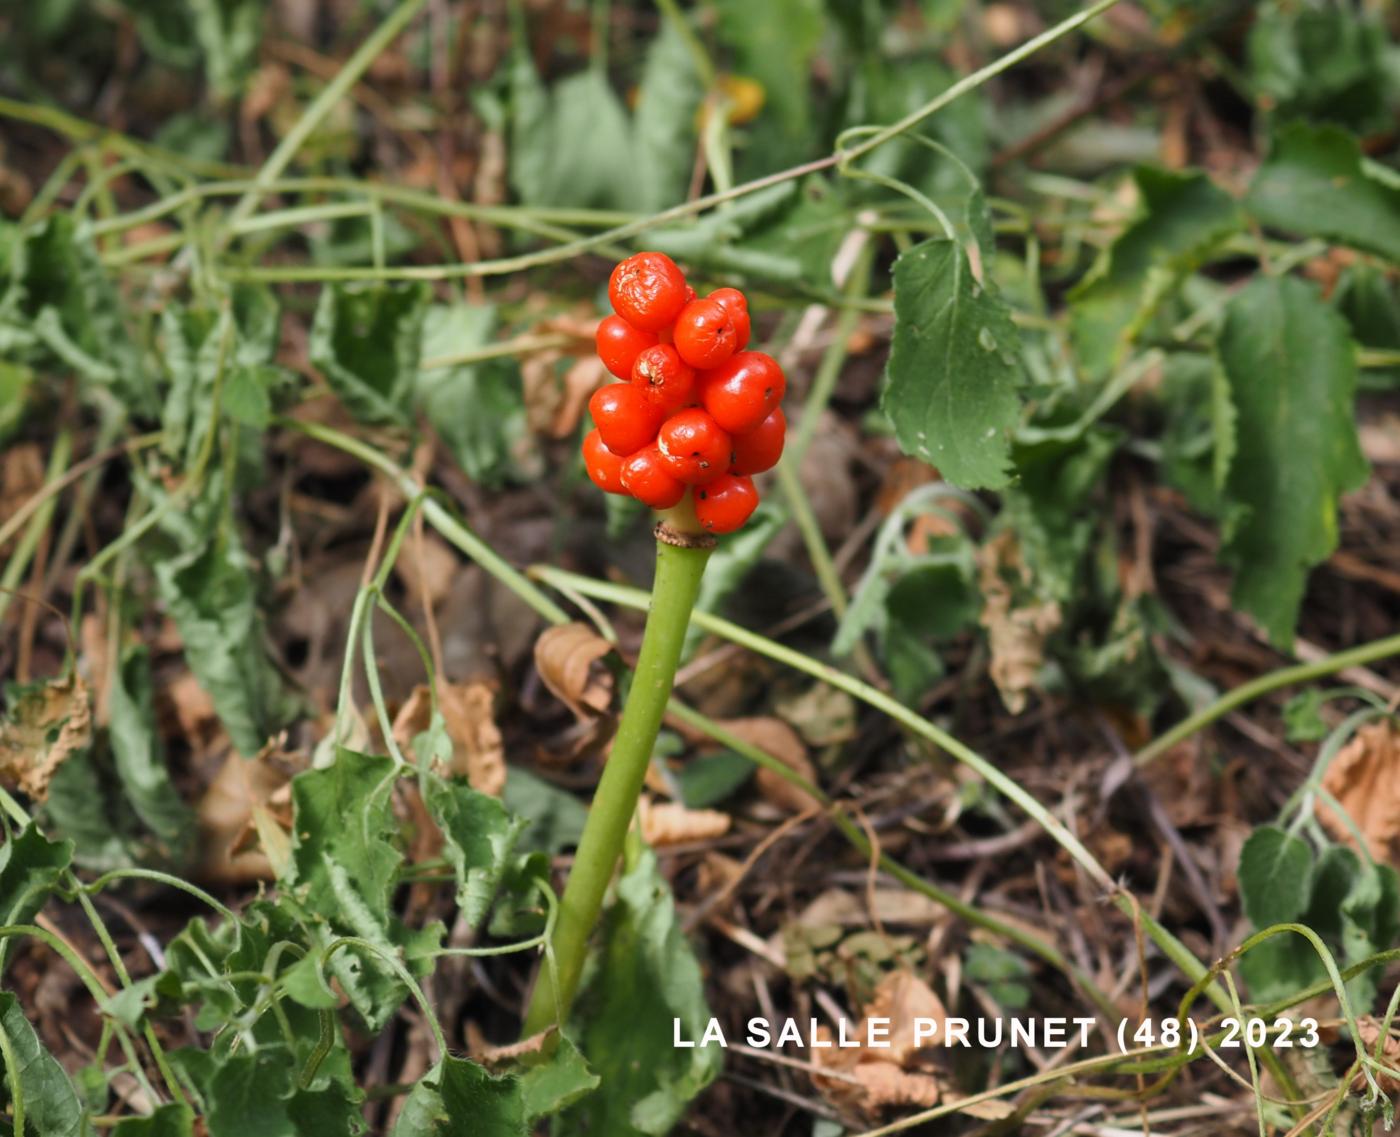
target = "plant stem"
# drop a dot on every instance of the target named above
(678, 573)
(1246, 692)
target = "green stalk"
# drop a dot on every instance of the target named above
(678, 572)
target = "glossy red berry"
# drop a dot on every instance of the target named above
(743, 391)
(625, 417)
(665, 378)
(647, 290)
(737, 304)
(619, 344)
(761, 448)
(645, 477)
(603, 466)
(693, 446)
(726, 503)
(705, 334)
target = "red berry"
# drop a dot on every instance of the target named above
(645, 477)
(603, 466)
(625, 417)
(619, 344)
(761, 448)
(726, 503)
(743, 391)
(737, 304)
(664, 376)
(705, 334)
(647, 290)
(693, 446)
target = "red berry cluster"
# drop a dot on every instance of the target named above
(696, 411)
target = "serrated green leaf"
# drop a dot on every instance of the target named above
(1182, 218)
(1370, 303)
(1315, 182)
(479, 838)
(253, 1094)
(1280, 967)
(554, 817)
(458, 1098)
(1198, 443)
(60, 305)
(207, 585)
(30, 868)
(644, 976)
(951, 386)
(1275, 876)
(344, 861)
(139, 757)
(51, 1105)
(558, 1083)
(367, 343)
(1292, 374)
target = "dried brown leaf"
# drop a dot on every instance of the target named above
(248, 799)
(1016, 626)
(427, 568)
(478, 750)
(567, 660)
(1370, 1032)
(46, 726)
(885, 1077)
(670, 823)
(773, 736)
(1364, 777)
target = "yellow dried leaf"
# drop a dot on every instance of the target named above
(478, 751)
(670, 823)
(1016, 627)
(566, 658)
(1364, 777)
(46, 725)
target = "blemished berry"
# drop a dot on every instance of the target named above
(743, 391)
(603, 466)
(645, 476)
(694, 447)
(666, 379)
(761, 448)
(625, 417)
(619, 344)
(647, 290)
(726, 503)
(738, 307)
(705, 333)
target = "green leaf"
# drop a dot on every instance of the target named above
(1004, 974)
(478, 410)
(1280, 967)
(707, 780)
(1275, 876)
(1198, 443)
(51, 1105)
(1316, 182)
(458, 1098)
(479, 838)
(170, 1120)
(15, 383)
(1182, 218)
(208, 587)
(951, 387)
(138, 755)
(367, 343)
(1302, 717)
(645, 975)
(30, 868)
(59, 306)
(253, 1094)
(344, 866)
(554, 817)
(1292, 373)
(1322, 62)
(664, 122)
(571, 145)
(1371, 305)
(558, 1083)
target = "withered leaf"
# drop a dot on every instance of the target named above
(1364, 777)
(1017, 625)
(670, 823)
(478, 751)
(48, 723)
(565, 657)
